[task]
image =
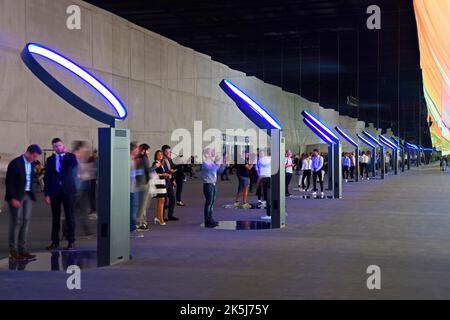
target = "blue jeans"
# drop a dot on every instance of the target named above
(134, 204)
(18, 225)
(209, 190)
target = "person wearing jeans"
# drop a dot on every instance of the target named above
(210, 167)
(316, 166)
(134, 194)
(142, 179)
(20, 196)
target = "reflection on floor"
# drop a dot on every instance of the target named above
(243, 225)
(53, 261)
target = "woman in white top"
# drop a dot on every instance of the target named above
(289, 165)
(306, 170)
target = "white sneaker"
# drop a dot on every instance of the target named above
(314, 193)
(321, 194)
(266, 217)
(346, 180)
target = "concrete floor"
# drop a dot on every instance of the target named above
(401, 224)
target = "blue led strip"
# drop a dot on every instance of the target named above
(397, 143)
(249, 107)
(387, 143)
(319, 133)
(370, 144)
(371, 137)
(412, 146)
(36, 49)
(347, 137)
(320, 126)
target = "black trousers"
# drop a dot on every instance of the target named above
(287, 182)
(170, 199)
(67, 201)
(265, 186)
(352, 172)
(346, 172)
(180, 184)
(317, 174)
(306, 175)
(363, 169)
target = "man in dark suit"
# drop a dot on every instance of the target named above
(60, 189)
(20, 196)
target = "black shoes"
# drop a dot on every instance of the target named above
(53, 246)
(70, 246)
(173, 218)
(211, 224)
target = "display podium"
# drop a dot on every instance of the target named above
(113, 206)
(276, 207)
(334, 151)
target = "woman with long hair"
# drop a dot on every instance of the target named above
(160, 187)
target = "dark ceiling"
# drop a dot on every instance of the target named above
(320, 49)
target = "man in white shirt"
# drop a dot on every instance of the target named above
(363, 162)
(289, 165)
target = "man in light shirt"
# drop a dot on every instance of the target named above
(210, 167)
(316, 166)
(363, 162)
(20, 196)
(289, 165)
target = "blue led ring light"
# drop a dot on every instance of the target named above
(366, 141)
(372, 138)
(347, 137)
(386, 142)
(317, 131)
(249, 107)
(320, 126)
(36, 49)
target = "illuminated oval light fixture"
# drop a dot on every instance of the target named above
(320, 126)
(387, 143)
(249, 107)
(371, 138)
(370, 144)
(347, 137)
(412, 146)
(36, 49)
(317, 131)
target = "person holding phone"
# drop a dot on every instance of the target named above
(20, 196)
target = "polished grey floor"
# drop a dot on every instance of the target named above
(401, 224)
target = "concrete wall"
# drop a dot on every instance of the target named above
(164, 85)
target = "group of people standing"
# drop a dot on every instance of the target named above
(308, 165)
(159, 178)
(67, 179)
